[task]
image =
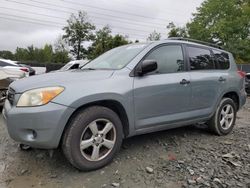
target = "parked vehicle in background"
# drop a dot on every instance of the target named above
(32, 71)
(74, 65)
(40, 70)
(246, 68)
(6, 77)
(247, 86)
(129, 90)
(12, 65)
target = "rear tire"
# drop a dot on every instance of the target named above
(223, 120)
(92, 138)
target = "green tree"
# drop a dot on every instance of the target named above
(60, 44)
(22, 54)
(48, 52)
(175, 31)
(41, 55)
(5, 54)
(101, 42)
(61, 54)
(224, 22)
(32, 53)
(79, 30)
(118, 40)
(61, 57)
(104, 41)
(154, 36)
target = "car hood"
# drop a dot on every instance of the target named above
(60, 79)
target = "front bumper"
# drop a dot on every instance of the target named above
(39, 127)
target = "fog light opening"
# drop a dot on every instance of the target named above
(32, 134)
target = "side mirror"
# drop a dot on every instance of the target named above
(146, 66)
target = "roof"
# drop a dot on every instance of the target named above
(173, 40)
(195, 41)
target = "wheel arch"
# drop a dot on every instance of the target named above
(114, 105)
(234, 96)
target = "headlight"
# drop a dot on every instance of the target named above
(37, 97)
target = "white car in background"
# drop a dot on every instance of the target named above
(74, 65)
(12, 65)
(7, 76)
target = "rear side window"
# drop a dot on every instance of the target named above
(222, 59)
(169, 58)
(200, 59)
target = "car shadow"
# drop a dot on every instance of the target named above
(172, 138)
(54, 160)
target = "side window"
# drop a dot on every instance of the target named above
(169, 59)
(200, 59)
(75, 66)
(222, 59)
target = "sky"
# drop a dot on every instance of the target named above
(37, 22)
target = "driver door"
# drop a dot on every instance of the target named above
(162, 96)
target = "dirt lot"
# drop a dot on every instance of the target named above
(184, 157)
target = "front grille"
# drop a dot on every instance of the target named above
(11, 95)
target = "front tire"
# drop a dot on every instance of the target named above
(92, 138)
(3, 94)
(223, 120)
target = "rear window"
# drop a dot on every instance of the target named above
(222, 59)
(3, 64)
(200, 59)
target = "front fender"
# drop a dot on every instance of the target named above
(125, 101)
(99, 97)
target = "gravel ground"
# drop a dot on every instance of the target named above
(184, 157)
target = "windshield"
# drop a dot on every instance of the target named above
(116, 58)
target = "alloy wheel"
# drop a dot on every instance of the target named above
(226, 117)
(98, 139)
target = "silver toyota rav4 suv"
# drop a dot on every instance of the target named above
(129, 90)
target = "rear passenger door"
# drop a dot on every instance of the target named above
(206, 80)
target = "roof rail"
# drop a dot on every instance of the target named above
(196, 41)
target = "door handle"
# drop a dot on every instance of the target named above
(184, 82)
(221, 79)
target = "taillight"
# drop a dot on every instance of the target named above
(241, 73)
(24, 69)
